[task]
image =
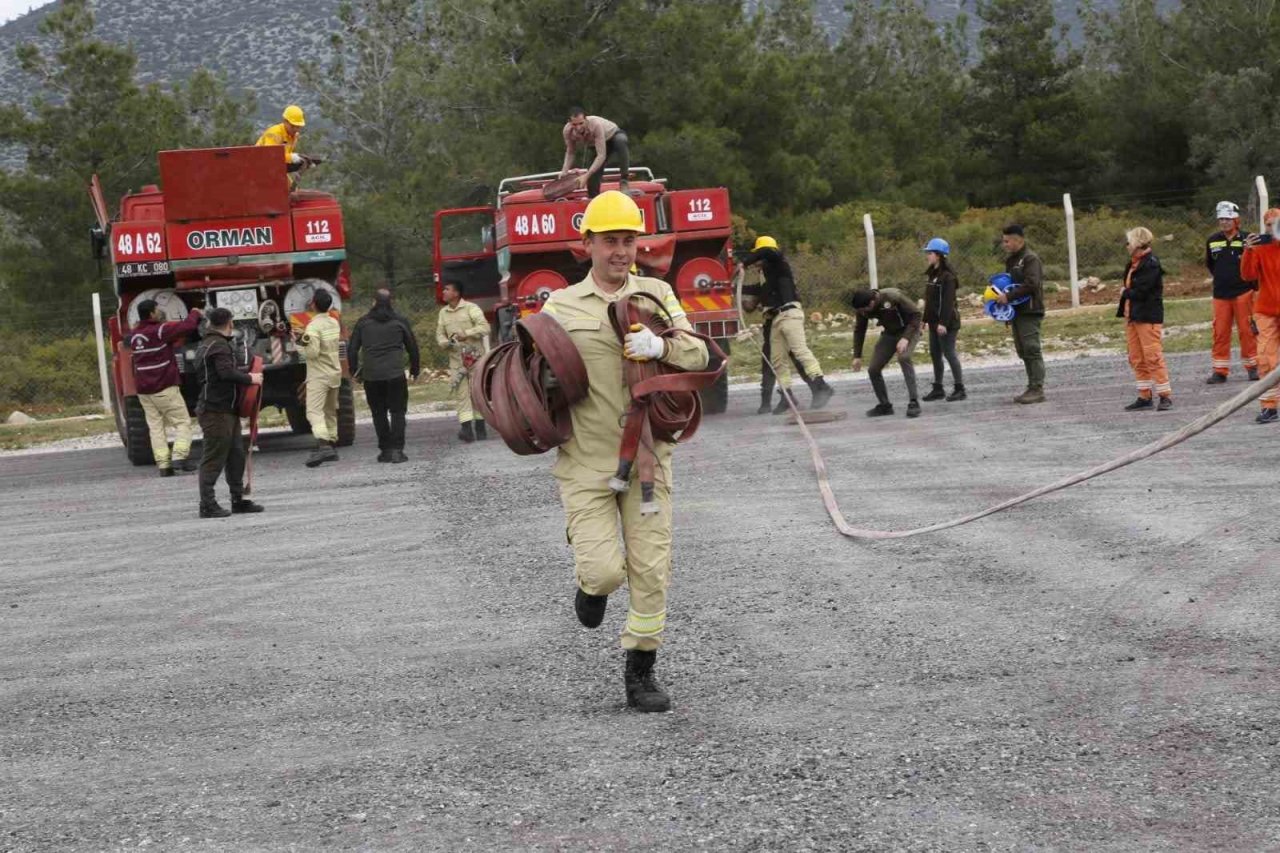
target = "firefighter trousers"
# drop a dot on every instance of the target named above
(322, 410)
(461, 391)
(613, 543)
(1238, 310)
(167, 410)
(1268, 353)
(1146, 357)
(787, 341)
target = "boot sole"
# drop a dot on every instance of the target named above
(635, 705)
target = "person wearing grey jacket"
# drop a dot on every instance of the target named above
(380, 344)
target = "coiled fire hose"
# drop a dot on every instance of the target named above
(1199, 425)
(665, 404)
(525, 388)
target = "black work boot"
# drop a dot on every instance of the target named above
(466, 433)
(323, 452)
(1140, 403)
(1253, 374)
(397, 456)
(384, 455)
(821, 393)
(955, 395)
(1216, 378)
(481, 435)
(938, 393)
(212, 510)
(166, 471)
(188, 465)
(240, 506)
(880, 410)
(643, 691)
(590, 608)
(913, 409)
(1164, 404)
(781, 407)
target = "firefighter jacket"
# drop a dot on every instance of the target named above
(1028, 278)
(940, 305)
(583, 310)
(154, 365)
(278, 135)
(1142, 299)
(1262, 264)
(320, 344)
(896, 313)
(220, 379)
(465, 323)
(1222, 257)
(379, 344)
(779, 287)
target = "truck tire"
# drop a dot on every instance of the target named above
(716, 398)
(137, 442)
(297, 415)
(346, 414)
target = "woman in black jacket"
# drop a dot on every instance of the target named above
(1142, 305)
(942, 316)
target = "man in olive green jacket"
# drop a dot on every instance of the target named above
(900, 325)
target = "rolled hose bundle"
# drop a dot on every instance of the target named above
(665, 404)
(524, 388)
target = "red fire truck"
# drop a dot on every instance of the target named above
(510, 256)
(225, 231)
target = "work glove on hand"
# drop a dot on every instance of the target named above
(295, 159)
(641, 344)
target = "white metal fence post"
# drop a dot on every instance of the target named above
(102, 355)
(871, 251)
(1264, 201)
(1073, 260)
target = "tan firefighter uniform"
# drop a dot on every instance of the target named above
(320, 342)
(787, 339)
(465, 322)
(590, 458)
(167, 409)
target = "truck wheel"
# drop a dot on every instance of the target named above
(137, 435)
(346, 414)
(716, 398)
(297, 415)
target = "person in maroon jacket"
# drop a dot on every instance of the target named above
(155, 373)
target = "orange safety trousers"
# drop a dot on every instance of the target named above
(1268, 353)
(1236, 310)
(1146, 357)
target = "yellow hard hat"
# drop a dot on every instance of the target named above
(763, 242)
(989, 294)
(293, 115)
(612, 211)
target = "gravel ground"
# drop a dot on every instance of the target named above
(387, 659)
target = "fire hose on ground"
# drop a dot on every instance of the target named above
(1199, 425)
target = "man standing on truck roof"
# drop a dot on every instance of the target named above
(380, 344)
(599, 521)
(463, 332)
(781, 303)
(156, 376)
(320, 340)
(286, 133)
(610, 144)
(219, 413)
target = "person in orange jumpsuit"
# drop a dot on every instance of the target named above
(1261, 263)
(1142, 306)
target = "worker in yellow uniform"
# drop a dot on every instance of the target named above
(320, 340)
(612, 541)
(463, 332)
(286, 134)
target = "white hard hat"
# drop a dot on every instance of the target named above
(1228, 210)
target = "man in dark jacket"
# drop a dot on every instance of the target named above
(156, 376)
(218, 411)
(1232, 296)
(376, 352)
(1142, 304)
(900, 324)
(1028, 280)
(785, 319)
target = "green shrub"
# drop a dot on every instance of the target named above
(38, 373)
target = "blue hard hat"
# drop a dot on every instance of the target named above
(999, 313)
(937, 244)
(1001, 281)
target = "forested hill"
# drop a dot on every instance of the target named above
(257, 45)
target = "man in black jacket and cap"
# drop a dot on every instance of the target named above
(377, 350)
(221, 381)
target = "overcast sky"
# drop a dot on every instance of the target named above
(10, 9)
